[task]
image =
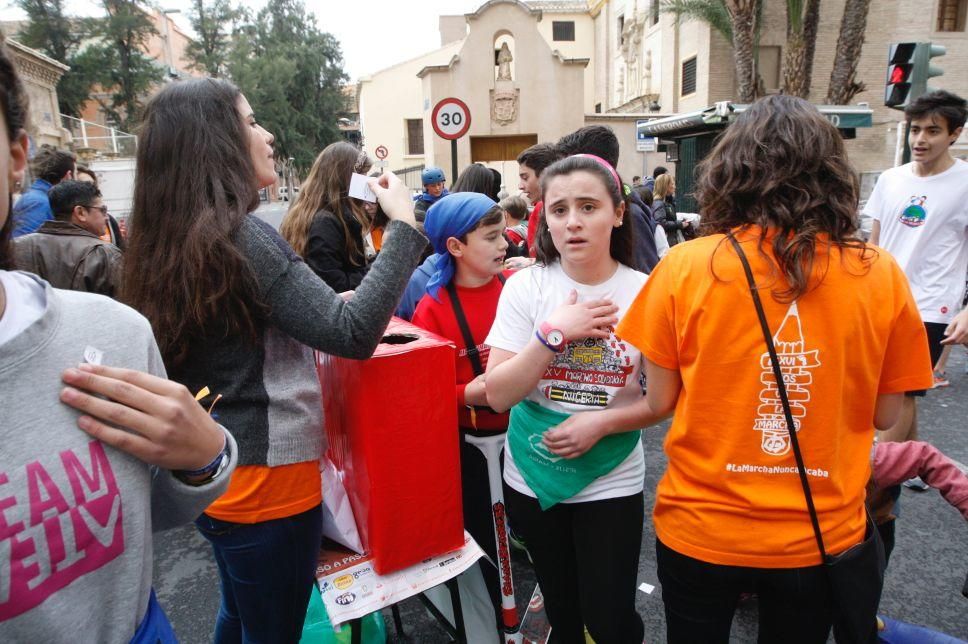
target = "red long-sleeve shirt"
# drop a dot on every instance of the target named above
(533, 220)
(480, 306)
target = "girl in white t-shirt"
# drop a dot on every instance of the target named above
(574, 471)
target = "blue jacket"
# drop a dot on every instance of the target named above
(32, 209)
(422, 202)
(417, 287)
(429, 198)
(646, 255)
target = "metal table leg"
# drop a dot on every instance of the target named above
(458, 613)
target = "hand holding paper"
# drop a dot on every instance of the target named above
(394, 197)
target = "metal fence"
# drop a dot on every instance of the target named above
(106, 142)
(411, 176)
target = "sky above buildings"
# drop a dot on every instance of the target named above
(374, 34)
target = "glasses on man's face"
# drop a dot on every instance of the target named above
(103, 209)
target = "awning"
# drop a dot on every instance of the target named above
(842, 116)
(711, 119)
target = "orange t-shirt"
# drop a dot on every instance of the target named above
(377, 236)
(731, 494)
(261, 493)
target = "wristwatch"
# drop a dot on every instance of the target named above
(552, 338)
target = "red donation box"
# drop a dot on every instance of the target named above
(392, 427)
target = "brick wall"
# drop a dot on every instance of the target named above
(888, 21)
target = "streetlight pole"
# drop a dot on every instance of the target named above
(289, 181)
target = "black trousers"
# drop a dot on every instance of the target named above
(700, 599)
(586, 557)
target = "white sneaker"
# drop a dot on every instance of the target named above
(916, 484)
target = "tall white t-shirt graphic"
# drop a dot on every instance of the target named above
(796, 361)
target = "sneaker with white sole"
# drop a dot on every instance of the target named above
(916, 484)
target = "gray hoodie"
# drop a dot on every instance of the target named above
(76, 515)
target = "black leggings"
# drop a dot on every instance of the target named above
(700, 599)
(586, 557)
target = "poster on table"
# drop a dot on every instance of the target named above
(351, 588)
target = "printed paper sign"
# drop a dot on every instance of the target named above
(350, 588)
(360, 189)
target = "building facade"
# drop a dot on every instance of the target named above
(648, 57)
(619, 61)
(511, 62)
(40, 75)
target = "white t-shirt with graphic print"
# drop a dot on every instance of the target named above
(588, 375)
(924, 225)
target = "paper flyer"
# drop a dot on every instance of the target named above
(350, 588)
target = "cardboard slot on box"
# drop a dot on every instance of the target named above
(392, 428)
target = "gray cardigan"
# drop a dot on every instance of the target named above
(271, 398)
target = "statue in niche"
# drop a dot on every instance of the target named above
(504, 59)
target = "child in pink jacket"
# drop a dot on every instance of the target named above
(893, 463)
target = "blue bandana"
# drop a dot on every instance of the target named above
(451, 216)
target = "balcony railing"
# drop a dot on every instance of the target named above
(99, 141)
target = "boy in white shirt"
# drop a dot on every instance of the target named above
(920, 213)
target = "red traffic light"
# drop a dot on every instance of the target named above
(900, 69)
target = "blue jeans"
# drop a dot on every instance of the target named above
(266, 571)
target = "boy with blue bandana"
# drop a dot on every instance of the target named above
(466, 231)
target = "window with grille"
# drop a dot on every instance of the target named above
(415, 141)
(951, 15)
(689, 76)
(562, 30)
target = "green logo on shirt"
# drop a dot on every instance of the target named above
(915, 214)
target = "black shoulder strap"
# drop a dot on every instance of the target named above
(501, 278)
(781, 389)
(465, 330)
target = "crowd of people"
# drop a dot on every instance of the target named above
(163, 372)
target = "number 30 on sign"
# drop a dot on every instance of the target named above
(451, 118)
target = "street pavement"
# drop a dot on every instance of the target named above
(923, 584)
(272, 212)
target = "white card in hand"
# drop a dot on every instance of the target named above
(359, 189)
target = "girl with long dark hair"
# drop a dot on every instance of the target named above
(478, 178)
(573, 482)
(234, 309)
(731, 514)
(326, 227)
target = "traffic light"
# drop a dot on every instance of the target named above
(923, 69)
(908, 70)
(900, 67)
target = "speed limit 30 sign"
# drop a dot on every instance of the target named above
(451, 118)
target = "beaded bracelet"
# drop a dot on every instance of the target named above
(207, 473)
